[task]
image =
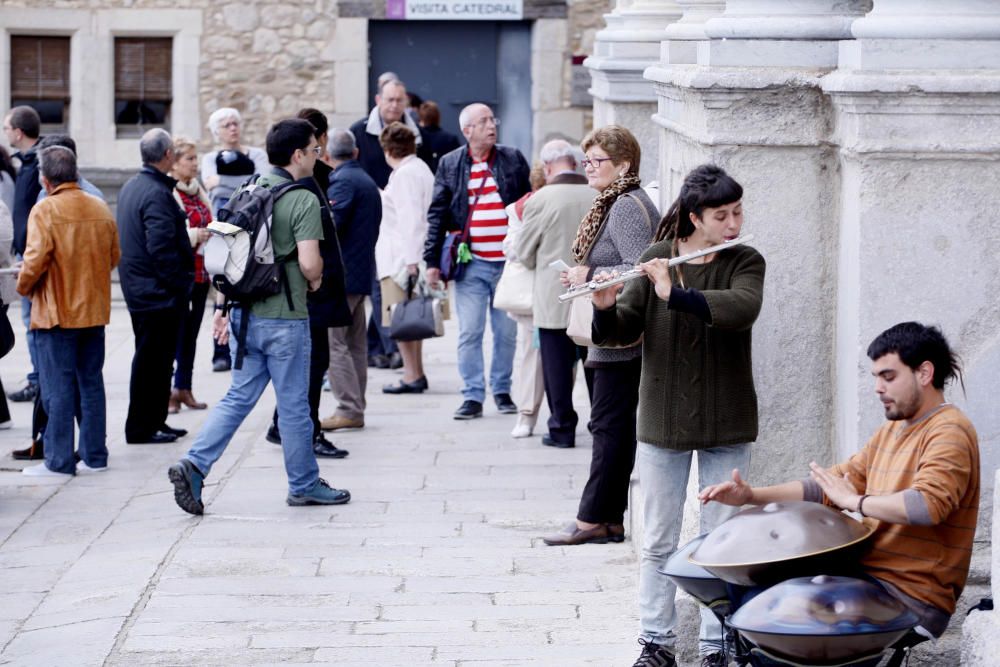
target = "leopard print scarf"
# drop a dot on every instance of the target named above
(593, 222)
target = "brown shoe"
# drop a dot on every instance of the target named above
(616, 532)
(572, 535)
(185, 397)
(36, 452)
(336, 422)
(174, 402)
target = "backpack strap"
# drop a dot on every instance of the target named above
(241, 331)
(277, 192)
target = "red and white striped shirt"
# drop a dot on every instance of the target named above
(488, 225)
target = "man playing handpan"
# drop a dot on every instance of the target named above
(916, 480)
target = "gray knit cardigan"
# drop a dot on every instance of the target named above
(626, 234)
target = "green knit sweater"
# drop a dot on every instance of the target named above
(697, 386)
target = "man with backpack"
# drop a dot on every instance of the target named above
(271, 332)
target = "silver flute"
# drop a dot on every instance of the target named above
(595, 285)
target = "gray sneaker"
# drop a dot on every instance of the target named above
(187, 481)
(320, 494)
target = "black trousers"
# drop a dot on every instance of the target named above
(187, 340)
(559, 356)
(156, 333)
(319, 364)
(612, 422)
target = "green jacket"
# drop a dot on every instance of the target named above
(697, 386)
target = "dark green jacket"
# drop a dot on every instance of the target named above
(697, 386)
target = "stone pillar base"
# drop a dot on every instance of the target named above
(768, 53)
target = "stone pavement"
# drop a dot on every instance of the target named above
(436, 561)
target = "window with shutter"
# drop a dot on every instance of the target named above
(143, 83)
(39, 77)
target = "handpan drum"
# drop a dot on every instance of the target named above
(694, 580)
(823, 620)
(764, 545)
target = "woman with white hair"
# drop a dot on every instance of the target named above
(224, 170)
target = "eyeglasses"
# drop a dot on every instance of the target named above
(483, 122)
(595, 162)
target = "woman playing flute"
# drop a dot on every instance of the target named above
(696, 392)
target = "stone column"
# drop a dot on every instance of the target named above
(681, 44)
(780, 33)
(622, 51)
(917, 119)
(752, 103)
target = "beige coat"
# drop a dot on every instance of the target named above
(551, 218)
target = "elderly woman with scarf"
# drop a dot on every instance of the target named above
(193, 199)
(612, 236)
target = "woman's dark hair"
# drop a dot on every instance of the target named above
(317, 118)
(915, 344)
(6, 164)
(430, 114)
(707, 186)
(398, 140)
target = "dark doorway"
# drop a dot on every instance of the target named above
(456, 63)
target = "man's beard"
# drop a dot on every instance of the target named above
(902, 409)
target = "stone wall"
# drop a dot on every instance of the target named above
(269, 58)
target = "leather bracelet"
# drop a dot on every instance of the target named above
(218, 307)
(861, 505)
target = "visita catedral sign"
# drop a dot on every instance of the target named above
(455, 10)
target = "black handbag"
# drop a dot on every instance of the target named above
(6, 333)
(415, 318)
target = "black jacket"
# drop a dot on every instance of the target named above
(26, 189)
(327, 305)
(357, 212)
(371, 156)
(157, 265)
(439, 142)
(449, 209)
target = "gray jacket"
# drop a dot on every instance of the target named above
(626, 235)
(551, 218)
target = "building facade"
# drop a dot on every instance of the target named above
(105, 70)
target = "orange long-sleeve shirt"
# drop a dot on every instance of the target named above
(939, 458)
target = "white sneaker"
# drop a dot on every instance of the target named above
(521, 430)
(42, 470)
(9, 424)
(84, 469)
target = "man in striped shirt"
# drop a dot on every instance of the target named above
(473, 185)
(916, 481)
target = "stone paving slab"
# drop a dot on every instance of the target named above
(436, 561)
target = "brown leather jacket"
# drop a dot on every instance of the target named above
(72, 247)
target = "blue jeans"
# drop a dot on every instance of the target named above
(473, 299)
(71, 366)
(664, 477)
(30, 337)
(277, 351)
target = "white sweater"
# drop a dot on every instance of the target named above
(405, 201)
